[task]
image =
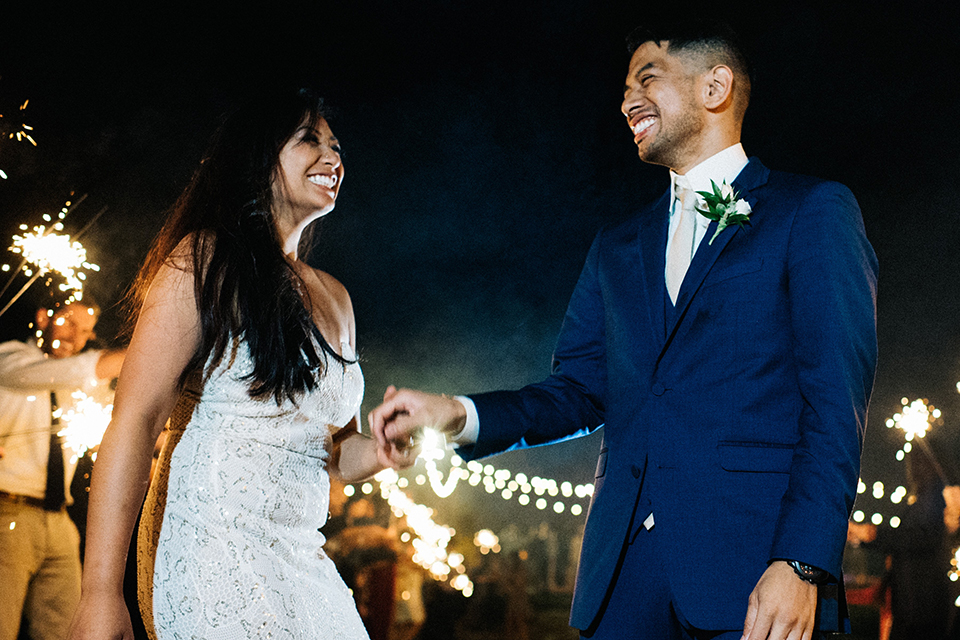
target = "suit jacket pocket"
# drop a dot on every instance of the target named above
(602, 463)
(734, 271)
(769, 457)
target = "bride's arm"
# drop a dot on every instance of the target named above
(165, 338)
(356, 456)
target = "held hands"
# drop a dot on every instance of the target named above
(398, 423)
(781, 607)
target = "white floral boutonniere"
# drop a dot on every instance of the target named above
(723, 206)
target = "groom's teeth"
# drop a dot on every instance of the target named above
(323, 181)
(642, 125)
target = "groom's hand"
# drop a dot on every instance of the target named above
(405, 413)
(781, 606)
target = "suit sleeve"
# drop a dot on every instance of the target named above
(567, 404)
(832, 281)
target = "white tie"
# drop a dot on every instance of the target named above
(680, 252)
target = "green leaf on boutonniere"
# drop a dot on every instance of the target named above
(723, 206)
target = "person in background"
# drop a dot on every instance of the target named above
(918, 555)
(39, 543)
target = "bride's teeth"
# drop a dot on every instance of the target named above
(323, 181)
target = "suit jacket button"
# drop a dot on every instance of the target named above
(658, 389)
(635, 470)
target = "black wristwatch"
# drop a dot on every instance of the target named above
(808, 573)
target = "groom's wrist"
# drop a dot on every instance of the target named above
(809, 573)
(468, 428)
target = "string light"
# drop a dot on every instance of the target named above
(502, 482)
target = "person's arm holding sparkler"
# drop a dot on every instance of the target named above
(163, 342)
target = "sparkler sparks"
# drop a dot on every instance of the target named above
(47, 252)
(914, 419)
(86, 423)
(44, 252)
(432, 539)
(20, 132)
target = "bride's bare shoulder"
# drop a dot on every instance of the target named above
(328, 292)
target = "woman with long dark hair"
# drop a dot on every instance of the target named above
(251, 354)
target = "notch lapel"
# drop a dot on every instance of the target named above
(753, 175)
(652, 247)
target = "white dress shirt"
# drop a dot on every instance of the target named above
(721, 167)
(27, 377)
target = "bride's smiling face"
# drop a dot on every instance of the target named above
(309, 175)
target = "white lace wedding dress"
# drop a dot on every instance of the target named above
(228, 545)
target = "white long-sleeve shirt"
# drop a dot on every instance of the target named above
(27, 376)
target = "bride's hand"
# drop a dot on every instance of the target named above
(398, 455)
(101, 617)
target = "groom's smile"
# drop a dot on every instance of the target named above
(641, 127)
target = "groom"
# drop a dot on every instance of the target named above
(731, 366)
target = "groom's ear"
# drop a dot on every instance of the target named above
(717, 88)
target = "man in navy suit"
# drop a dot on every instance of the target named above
(731, 366)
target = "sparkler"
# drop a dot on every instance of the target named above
(44, 251)
(86, 423)
(431, 539)
(915, 420)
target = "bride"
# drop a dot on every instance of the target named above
(251, 354)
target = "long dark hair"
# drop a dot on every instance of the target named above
(245, 288)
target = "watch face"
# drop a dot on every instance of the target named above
(809, 573)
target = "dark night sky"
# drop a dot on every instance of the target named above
(483, 150)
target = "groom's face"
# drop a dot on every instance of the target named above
(661, 107)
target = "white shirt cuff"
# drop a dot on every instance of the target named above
(470, 431)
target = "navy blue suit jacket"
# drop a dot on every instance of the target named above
(738, 417)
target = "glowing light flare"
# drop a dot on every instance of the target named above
(86, 421)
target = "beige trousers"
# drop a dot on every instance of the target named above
(39, 571)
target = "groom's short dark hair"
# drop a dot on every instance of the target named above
(714, 42)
